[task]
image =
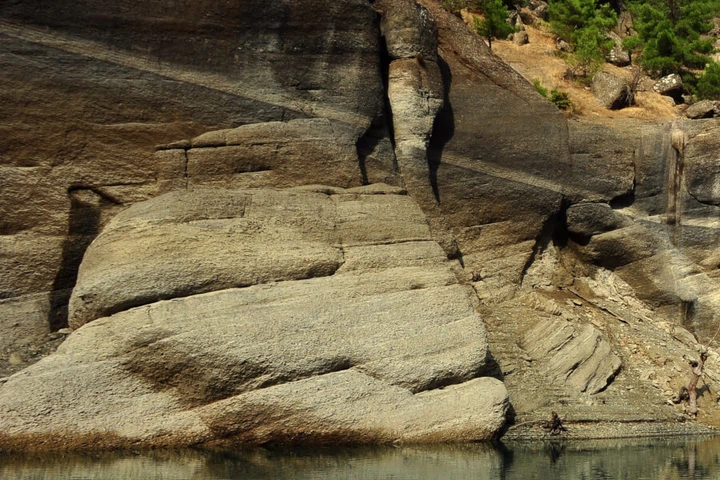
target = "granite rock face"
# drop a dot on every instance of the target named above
(372, 340)
(271, 253)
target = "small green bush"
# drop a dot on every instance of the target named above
(540, 89)
(560, 99)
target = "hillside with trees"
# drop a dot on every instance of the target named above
(561, 46)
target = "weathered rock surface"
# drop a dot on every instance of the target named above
(191, 242)
(603, 163)
(355, 354)
(345, 316)
(275, 154)
(702, 168)
(611, 92)
(84, 108)
(471, 156)
(579, 357)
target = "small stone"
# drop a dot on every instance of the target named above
(577, 302)
(616, 55)
(4, 379)
(65, 331)
(563, 46)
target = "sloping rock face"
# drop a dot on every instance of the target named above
(495, 138)
(382, 344)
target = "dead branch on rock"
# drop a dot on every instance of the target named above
(555, 425)
(689, 393)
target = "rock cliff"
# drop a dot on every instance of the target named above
(346, 221)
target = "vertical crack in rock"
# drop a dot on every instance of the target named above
(185, 168)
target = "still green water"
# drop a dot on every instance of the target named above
(647, 459)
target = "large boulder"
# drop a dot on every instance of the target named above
(671, 86)
(611, 92)
(701, 109)
(362, 334)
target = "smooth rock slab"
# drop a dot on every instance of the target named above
(350, 327)
(354, 358)
(190, 242)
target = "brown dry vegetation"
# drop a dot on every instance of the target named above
(539, 60)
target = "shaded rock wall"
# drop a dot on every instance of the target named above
(91, 88)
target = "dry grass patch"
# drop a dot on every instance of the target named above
(540, 60)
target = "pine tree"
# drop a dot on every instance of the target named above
(584, 24)
(708, 85)
(494, 25)
(668, 34)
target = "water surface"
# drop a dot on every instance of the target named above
(640, 459)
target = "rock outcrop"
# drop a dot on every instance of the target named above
(86, 107)
(581, 358)
(381, 344)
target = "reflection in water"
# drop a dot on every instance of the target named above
(645, 459)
